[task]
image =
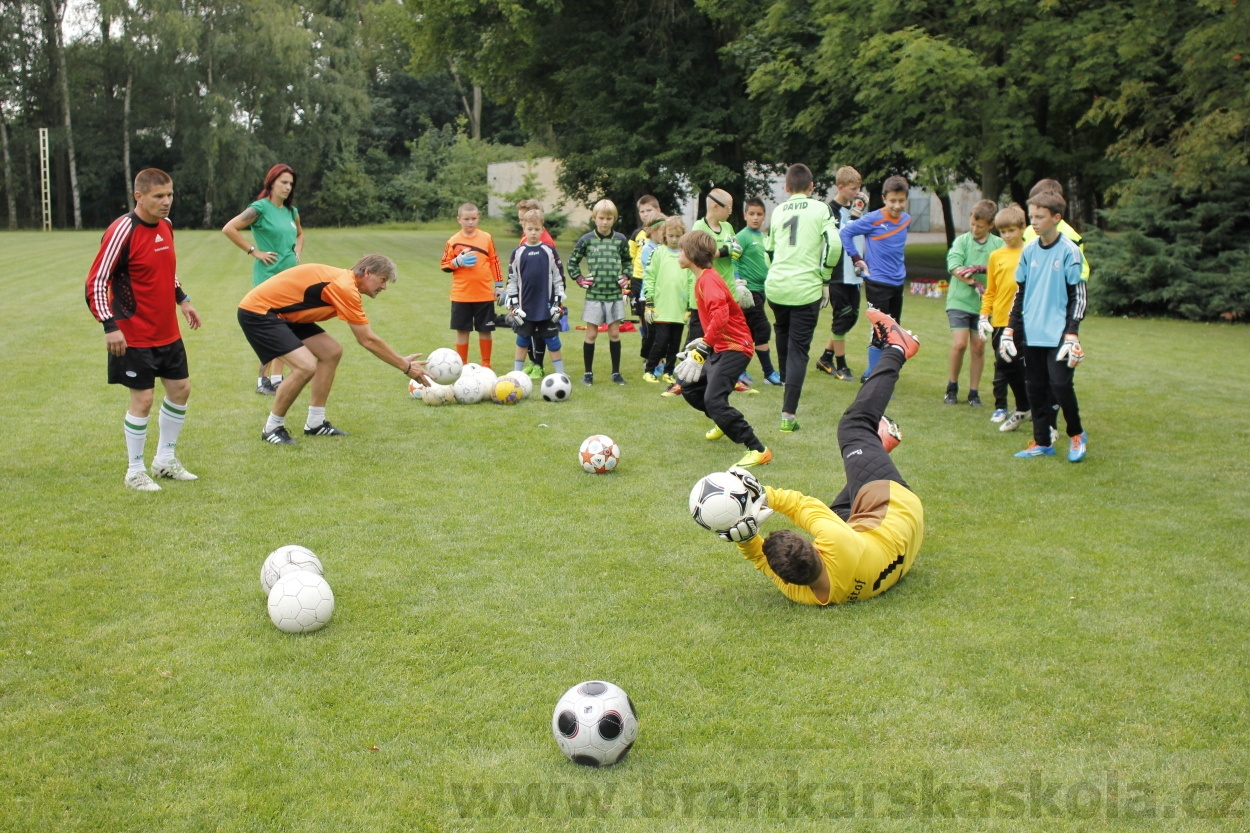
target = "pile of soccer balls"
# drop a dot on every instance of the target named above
(468, 384)
(300, 599)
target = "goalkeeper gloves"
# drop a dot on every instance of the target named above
(1070, 350)
(1007, 345)
(979, 287)
(690, 368)
(743, 295)
(749, 526)
(735, 248)
(557, 310)
(859, 205)
(585, 281)
(984, 329)
(861, 267)
(623, 281)
(499, 294)
(515, 316)
(824, 296)
(648, 314)
(750, 482)
(465, 259)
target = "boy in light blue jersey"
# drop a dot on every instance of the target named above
(881, 263)
(1045, 318)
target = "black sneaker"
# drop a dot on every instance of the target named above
(618, 378)
(824, 365)
(845, 374)
(952, 394)
(266, 387)
(588, 379)
(325, 429)
(974, 400)
(278, 436)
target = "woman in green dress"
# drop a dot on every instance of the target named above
(278, 240)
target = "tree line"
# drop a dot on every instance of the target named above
(389, 109)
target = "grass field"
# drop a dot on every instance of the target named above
(1070, 652)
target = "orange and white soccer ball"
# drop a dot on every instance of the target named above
(599, 454)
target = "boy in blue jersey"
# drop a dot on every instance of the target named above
(1045, 318)
(881, 262)
(535, 294)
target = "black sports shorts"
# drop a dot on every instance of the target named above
(271, 336)
(473, 315)
(142, 366)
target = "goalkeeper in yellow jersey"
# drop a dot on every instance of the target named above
(867, 539)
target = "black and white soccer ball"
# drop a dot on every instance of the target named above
(285, 560)
(556, 387)
(595, 723)
(444, 365)
(719, 501)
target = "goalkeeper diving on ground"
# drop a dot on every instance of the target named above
(867, 539)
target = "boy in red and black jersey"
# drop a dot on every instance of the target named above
(710, 365)
(133, 290)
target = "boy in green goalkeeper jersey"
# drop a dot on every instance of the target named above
(716, 223)
(600, 265)
(753, 272)
(803, 240)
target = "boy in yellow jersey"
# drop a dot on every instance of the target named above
(1000, 291)
(868, 538)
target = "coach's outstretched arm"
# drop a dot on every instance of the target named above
(371, 341)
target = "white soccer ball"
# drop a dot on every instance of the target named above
(444, 365)
(301, 602)
(595, 723)
(556, 387)
(719, 501)
(468, 389)
(599, 454)
(471, 367)
(286, 560)
(487, 377)
(438, 395)
(525, 382)
(415, 388)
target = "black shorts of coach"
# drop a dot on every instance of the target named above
(473, 315)
(271, 336)
(140, 367)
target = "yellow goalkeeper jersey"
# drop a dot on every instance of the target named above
(863, 557)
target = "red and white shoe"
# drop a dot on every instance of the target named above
(889, 331)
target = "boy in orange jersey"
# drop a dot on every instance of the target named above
(868, 538)
(476, 283)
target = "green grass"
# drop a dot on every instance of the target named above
(1066, 629)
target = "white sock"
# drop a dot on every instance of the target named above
(170, 420)
(274, 423)
(276, 378)
(136, 429)
(260, 380)
(316, 416)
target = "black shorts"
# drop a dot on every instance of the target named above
(844, 301)
(888, 299)
(141, 366)
(271, 336)
(473, 315)
(546, 328)
(757, 320)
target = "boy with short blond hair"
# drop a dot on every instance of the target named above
(1054, 186)
(966, 261)
(605, 254)
(1000, 291)
(538, 349)
(849, 204)
(535, 293)
(476, 283)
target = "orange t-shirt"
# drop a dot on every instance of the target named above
(307, 293)
(477, 282)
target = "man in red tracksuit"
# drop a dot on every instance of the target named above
(711, 365)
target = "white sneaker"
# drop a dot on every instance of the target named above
(172, 469)
(140, 482)
(1013, 421)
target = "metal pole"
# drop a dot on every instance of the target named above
(45, 183)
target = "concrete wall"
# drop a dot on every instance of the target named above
(506, 177)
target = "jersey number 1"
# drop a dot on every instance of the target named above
(793, 225)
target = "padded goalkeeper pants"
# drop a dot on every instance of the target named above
(1050, 384)
(711, 396)
(863, 456)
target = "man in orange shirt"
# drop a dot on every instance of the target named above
(278, 318)
(476, 283)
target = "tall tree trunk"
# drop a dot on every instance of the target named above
(8, 176)
(30, 189)
(476, 119)
(130, 197)
(948, 218)
(56, 12)
(210, 158)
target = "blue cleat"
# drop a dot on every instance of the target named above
(1077, 452)
(1035, 450)
(773, 378)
